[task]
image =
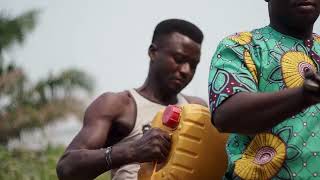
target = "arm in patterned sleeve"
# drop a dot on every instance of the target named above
(229, 74)
(236, 104)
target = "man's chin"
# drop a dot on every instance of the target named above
(175, 89)
(306, 19)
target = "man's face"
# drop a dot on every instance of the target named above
(174, 61)
(295, 13)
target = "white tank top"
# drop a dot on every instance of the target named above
(146, 110)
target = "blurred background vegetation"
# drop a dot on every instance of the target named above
(25, 105)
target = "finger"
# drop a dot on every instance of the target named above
(311, 85)
(166, 136)
(165, 148)
(309, 74)
(165, 142)
(157, 153)
(152, 131)
(317, 78)
(162, 156)
(163, 137)
(162, 133)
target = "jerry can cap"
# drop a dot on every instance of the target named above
(171, 116)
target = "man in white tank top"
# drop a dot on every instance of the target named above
(111, 137)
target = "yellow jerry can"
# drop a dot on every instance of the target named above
(197, 150)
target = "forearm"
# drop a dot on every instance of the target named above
(250, 113)
(88, 164)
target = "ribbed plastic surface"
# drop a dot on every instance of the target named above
(197, 151)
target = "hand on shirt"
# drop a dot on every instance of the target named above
(312, 85)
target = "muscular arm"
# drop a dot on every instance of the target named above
(250, 113)
(84, 158)
(242, 108)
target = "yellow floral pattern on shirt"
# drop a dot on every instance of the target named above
(262, 159)
(294, 64)
(242, 38)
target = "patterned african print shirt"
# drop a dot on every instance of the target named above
(265, 60)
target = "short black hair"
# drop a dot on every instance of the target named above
(186, 28)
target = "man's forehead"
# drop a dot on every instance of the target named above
(176, 37)
(180, 37)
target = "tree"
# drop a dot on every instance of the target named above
(24, 104)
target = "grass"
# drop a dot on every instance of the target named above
(30, 165)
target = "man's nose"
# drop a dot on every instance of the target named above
(185, 68)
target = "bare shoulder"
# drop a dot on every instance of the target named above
(195, 100)
(109, 105)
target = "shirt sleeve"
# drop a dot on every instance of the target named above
(232, 70)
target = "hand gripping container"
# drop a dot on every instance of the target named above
(197, 149)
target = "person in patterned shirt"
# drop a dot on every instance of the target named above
(264, 90)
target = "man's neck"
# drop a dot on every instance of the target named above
(299, 33)
(156, 93)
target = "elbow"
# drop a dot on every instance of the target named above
(221, 127)
(64, 171)
(220, 123)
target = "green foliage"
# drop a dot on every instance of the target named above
(14, 29)
(25, 105)
(30, 165)
(35, 105)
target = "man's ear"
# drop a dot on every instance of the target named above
(152, 51)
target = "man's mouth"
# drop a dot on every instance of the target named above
(306, 4)
(178, 81)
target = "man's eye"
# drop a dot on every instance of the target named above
(193, 66)
(178, 59)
